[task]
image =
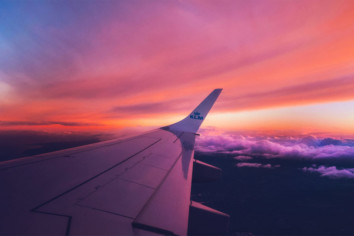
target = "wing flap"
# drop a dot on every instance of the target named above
(106, 198)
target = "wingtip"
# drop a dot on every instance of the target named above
(193, 121)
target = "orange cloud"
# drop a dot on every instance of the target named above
(136, 63)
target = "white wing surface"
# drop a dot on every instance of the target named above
(137, 186)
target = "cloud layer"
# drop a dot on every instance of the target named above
(254, 165)
(277, 147)
(44, 123)
(331, 172)
(336, 156)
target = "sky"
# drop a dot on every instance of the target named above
(106, 65)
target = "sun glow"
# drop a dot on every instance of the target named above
(334, 117)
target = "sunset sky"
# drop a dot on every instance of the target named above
(104, 65)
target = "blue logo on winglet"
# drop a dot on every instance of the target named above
(196, 115)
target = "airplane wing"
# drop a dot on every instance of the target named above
(137, 186)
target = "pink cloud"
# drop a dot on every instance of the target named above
(331, 172)
(243, 158)
(265, 54)
(254, 165)
(269, 147)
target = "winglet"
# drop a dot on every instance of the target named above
(192, 122)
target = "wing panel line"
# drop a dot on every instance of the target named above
(110, 212)
(179, 136)
(68, 224)
(153, 229)
(157, 189)
(35, 209)
(61, 153)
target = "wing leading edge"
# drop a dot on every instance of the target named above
(137, 186)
